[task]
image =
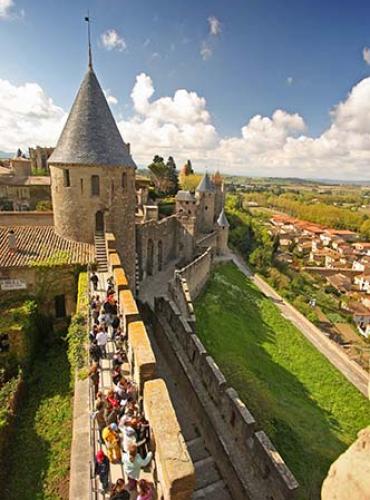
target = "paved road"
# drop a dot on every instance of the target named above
(351, 370)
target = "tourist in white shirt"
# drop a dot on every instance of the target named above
(102, 339)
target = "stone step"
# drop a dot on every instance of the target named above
(197, 449)
(214, 491)
(206, 473)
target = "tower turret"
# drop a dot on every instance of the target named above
(93, 175)
(205, 194)
(222, 233)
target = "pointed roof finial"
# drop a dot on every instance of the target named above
(87, 19)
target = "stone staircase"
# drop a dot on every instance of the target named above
(101, 253)
(209, 484)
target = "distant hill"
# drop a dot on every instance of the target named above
(3, 154)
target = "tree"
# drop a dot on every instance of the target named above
(164, 175)
(172, 175)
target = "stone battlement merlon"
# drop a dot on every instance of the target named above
(252, 450)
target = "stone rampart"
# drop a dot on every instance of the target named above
(26, 219)
(197, 273)
(120, 279)
(113, 259)
(179, 291)
(175, 470)
(247, 449)
(209, 240)
(175, 476)
(141, 357)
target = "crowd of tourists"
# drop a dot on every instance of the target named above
(122, 428)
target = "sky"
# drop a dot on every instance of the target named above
(250, 87)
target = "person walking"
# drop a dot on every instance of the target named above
(133, 463)
(146, 491)
(100, 418)
(101, 340)
(94, 280)
(102, 469)
(94, 377)
(119, 491)
(111, 439)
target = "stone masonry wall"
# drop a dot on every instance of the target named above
(162, 236)
(26, 219)
(75, 207)
(197, 273)
(256, 463)
(174, 468)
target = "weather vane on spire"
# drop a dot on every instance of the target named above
(87, 19)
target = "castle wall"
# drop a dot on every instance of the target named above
(156, 244)
(75, 207)
(197, 273)
(26, 219)
(209, 240)
(175, 470)
(247, 459)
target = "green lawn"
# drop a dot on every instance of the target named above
(39, 454)
(308, 409)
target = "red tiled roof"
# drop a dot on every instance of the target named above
(36, 243)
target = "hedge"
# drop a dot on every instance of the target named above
(77, 331)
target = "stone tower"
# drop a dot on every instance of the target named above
(206, 204)
(222, 233)
(93, 176)
(219, 193)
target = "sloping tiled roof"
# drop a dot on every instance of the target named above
(35, 243)
(205, 184)
(90, 135)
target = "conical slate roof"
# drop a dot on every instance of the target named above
(205, 184)
(90, 135)
(222, 221)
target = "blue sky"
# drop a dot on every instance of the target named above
(299, 56)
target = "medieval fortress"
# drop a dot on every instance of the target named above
(207, 442)
(93, 191)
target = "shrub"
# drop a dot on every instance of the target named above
(77, 331)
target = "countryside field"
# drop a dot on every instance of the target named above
(308, 409)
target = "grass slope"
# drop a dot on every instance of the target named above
(308, 409)
(40, 452)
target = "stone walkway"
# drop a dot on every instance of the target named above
(105, 384)
(156, 285)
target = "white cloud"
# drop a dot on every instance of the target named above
(5, 7)
(7, 10)
(112, 100)
(181, 125)
(289, 80)
(214, 26)
(366, 55)
(205, 51)
(27, 116)
(112, 40)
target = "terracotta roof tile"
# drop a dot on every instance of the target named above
(35, 243)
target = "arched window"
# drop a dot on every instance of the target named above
(160, 255)
(95, 185)
(124, 180)
(67, 179)
(150, 258)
